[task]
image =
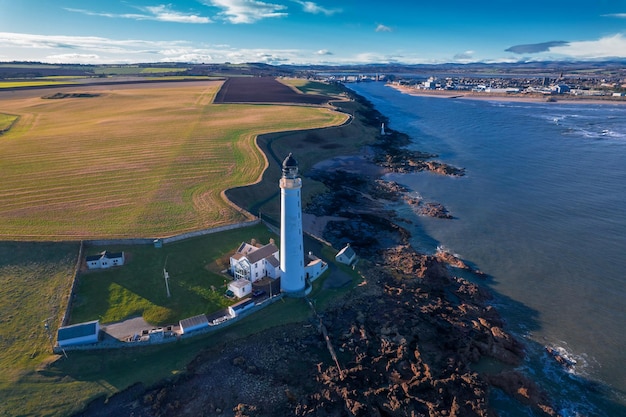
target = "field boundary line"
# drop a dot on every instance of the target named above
(68, 306)
(175, 238)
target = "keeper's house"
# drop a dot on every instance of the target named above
(79, 334)
(104, 260)
(254, 262)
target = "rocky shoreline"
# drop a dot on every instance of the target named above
(410, 340)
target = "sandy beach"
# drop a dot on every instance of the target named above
(525, 98)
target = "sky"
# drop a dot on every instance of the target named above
(311, 32)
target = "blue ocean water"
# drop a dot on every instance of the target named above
(542, 210)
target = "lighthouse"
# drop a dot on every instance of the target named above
(291, 249)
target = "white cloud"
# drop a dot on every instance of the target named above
(165, 14)
(607, 47)
(467, 56)
(247, 11)
(25, 40)
(618, 15)
(87, 46)
(97, 50)
(323, 52)
(310, 7)
(73, 58)
(383, 28)
(374, 58)
(162, 13)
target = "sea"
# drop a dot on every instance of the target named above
(542, 211)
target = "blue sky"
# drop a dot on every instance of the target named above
(311, 32)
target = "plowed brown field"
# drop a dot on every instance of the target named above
(263, 90)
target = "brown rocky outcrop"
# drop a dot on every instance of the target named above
(429, 209)
(456, 262)
(395, 157)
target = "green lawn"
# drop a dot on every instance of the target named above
(138, 288)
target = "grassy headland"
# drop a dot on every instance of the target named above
(36, 276)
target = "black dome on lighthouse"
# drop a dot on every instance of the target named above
(290, 162)
(290, 167)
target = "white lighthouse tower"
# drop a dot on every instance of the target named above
(291, 249)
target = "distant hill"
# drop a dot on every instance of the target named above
(27, 70)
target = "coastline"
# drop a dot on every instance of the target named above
(410, 336)
(537, 98)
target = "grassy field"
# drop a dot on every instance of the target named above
(309, 147)
(310, 87)
(36, 276)
(138, 288)
(134, 70)
(38, 83)
(185, 151)
(34, 285)
(148, 161)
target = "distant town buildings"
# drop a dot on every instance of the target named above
(517, 86)
(508, 84)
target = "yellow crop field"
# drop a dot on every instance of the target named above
(132, 161)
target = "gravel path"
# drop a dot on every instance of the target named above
(123, 329)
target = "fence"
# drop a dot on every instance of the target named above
(171, 239)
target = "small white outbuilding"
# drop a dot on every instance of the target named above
(240, 287)
(240, 307)
(346, 255)
(79, 334)
(193, 323)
